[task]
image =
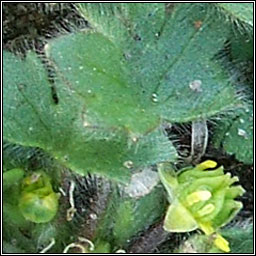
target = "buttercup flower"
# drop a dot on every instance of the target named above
(200, 198)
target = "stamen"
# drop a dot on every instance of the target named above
(198, 196)
(209, 208)
(206, 164)
(222, 243)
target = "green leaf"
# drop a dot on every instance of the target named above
(115, 83)
(100, 144)
(124, 221)
(181, 56)
(241, 239)
(165, 63)
(239, 11)
(101, 247)
(130, 216)
(12, 177)
(12, 213)
(12, 190)
(93, 71)
(123, 23)
(242, 47)
(10, 249)
(236, 136)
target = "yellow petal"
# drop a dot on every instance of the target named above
(206, 164)
(222, 243)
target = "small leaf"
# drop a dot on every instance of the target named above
(237, 137)
(130, 216)
(168, 179)
(179, 219)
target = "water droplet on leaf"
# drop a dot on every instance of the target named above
(242, 133)
(195, 85)
(128, 164)
(154, 97)
(93, 216)
(86, 124)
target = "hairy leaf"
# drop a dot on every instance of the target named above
(138, 65)
(236, 136)
(239, 11)
(166, 63)
(241, 239)
(101, 145)
(133, 216)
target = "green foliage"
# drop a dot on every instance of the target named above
(236, 135)
(134, 215)
(101, 247)
(12, 190)
(242, 47)
(112, 88)
(242, 12)
(14, 222)
(126, 216)
(106, 150)
(12, 177)
(166, 60)
(240, 238)
(108, 103)
(9, 248)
